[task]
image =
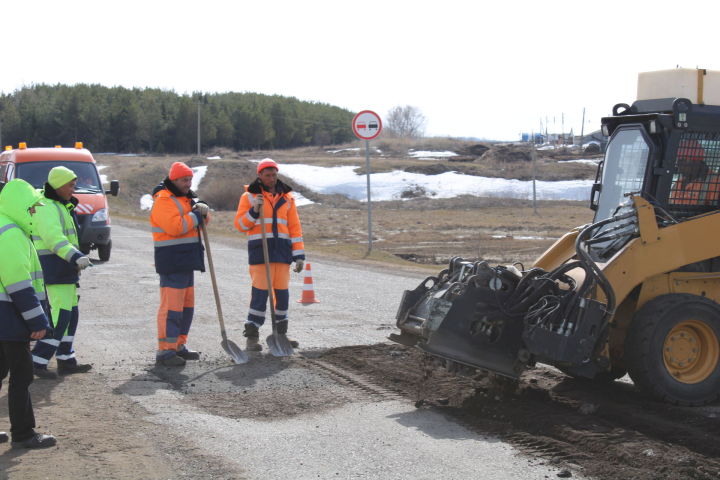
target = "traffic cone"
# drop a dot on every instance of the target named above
(308, 294)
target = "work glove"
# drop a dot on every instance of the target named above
(83, 262)
(258, 203)
(202, 208)
(299, 263)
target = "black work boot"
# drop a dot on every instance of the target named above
(44, 373)
(170, 360)
(187, 354)
(69, 367)
(38, 440)
(253, 338)
(282, 328)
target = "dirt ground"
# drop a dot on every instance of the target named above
(606, 431)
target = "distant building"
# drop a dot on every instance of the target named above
(595, 137)
(538, 137)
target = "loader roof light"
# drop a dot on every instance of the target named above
(653, 126)
(58, 146)
(22, 145)
(78, 145)
(8, 148)
(605, 130)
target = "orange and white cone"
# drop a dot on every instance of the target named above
(308, 294)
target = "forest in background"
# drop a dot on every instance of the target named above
(118, 119)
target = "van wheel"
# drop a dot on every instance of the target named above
(672, 350)
(104, 251)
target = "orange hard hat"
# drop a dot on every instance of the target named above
(179, 170)
(267, 163)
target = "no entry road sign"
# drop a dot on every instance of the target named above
(367, 125)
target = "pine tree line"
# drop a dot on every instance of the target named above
(118, 119)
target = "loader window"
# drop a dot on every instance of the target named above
(626, 160)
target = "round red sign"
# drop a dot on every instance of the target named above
(367, 125)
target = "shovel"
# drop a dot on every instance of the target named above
(278, 343)
(229, 346)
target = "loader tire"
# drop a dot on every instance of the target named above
(672, 350)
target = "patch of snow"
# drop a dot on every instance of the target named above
(588, 161)
(521, 237)
(103, 178)
(390, 185)
(198, 174)
(300, 200)
(214, 158)
(146, 202)
(431, 154)
(344, 150)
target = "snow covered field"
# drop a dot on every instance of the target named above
(391, 185)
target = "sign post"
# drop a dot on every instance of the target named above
(367, 125)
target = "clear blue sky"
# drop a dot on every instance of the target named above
(482, 69)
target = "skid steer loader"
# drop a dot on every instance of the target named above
(636, 291)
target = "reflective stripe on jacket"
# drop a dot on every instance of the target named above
(22, 290)
(55, 237)
(282, 227)
(175, 234)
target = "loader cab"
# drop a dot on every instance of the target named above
(666, 150)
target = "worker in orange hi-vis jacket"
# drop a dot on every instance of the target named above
(285, 245)
(175, 220)
(696, 184)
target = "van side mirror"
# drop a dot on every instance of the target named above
(114, 188)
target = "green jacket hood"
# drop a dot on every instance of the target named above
(15, 199)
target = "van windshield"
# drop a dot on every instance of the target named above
(36, 173)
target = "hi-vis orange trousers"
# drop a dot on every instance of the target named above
(280, 273)
(177, 304)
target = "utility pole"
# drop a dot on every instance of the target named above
(533, 154)
(198, 127)
(582, 127)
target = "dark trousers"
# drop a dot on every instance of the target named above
(16, 359)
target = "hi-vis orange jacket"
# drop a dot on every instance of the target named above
(175, 231)
(282, 224)
(698, 192)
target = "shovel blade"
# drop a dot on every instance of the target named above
(234, 351)
(279, 345)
